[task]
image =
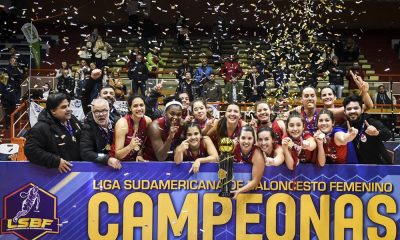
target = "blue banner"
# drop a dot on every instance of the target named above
(158, 200)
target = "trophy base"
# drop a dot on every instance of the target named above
(225, 194)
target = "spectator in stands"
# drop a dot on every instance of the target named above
(182, 31)
(197, 148)
(260, 65)
(189, 86)
(130, 131)
(90, 90)
(46, 91)
(336, 76)
(97, 135)
(254, 85)
(231, 68)
(164, 133)
(108, 93)
(154, 61)
(183, 69)
(22, 61)
(7, 97)
(102, 52)
(234, 91)
(54, 140)
(281, 75)
(66, 84)
(132, 55)
(212, 91)
(83, 76)
(358, 71)
(382, 97)
(338, 48)
(152, 109)
(202, 73)
(371, 133)
(15, 78)
(85, 51)
(351, 51)
(119, 87)
(138, 74)
(93, 36)
(64, 66)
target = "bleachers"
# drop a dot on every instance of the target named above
(200, 49)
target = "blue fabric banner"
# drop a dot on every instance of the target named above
(158, 200)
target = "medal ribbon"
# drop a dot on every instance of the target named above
(310, 125)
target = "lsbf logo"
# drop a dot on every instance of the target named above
(30, 212)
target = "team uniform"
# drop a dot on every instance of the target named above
(141, 134)
(148, 152)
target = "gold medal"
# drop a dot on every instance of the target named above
(290, 144)
(108, 147)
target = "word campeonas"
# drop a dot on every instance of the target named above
(165, 216)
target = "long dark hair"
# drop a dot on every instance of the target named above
(222, 130)
(293, 114)
(189, 125)
(130, 100)
(266, 129)
(248, 128)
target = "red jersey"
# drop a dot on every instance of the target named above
(240, 157)
(148, 152)
(310, 126)
(333, 152)
(201, 152)
(277, 131)
(141, 134)
(299, 154)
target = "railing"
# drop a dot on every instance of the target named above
(17, 117)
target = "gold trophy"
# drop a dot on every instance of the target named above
(225, 172)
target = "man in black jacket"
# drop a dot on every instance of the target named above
(254, 85)
(139, 74)
(97, 135)
(54, 140)
(336, 76)
(66, 84)
(371, 133)
(183, 69)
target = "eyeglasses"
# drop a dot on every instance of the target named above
(100, 113)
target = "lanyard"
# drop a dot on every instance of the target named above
(246, 158)
(203, 124)
(69, 128)
(107, 134)
(310, 125)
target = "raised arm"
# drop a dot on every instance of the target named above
(257, 173)
(180, 151)
(278, 158)
(160, 147)
(321, 158)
